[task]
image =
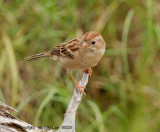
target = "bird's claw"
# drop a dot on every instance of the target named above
(89, 71)
(80, 88)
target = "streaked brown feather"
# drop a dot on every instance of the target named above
(37, 56)
(63, 50)
(66, 49)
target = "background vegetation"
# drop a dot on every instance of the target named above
(123, 94)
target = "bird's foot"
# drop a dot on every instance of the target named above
(89, 71)
(80, 88)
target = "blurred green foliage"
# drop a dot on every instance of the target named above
(123, 92)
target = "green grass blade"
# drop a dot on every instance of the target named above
(13, 67)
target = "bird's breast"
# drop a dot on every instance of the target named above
(81, 61)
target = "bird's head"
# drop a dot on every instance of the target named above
(93, 41)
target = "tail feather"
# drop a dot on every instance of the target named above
(36, 56)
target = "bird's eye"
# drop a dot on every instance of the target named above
(93, 42)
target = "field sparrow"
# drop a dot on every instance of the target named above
(78, 54)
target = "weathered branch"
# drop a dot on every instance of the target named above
(68, 124)
(9, 123)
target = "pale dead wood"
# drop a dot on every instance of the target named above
(9, 123)
(69, 119)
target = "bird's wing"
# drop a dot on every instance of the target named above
(66, 49)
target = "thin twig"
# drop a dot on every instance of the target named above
(68, 124)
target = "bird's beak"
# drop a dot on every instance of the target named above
(85, 45)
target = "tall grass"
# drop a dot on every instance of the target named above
(13, 68)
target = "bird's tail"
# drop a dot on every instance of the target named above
(37, 56)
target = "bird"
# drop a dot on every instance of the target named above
(81, 53)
